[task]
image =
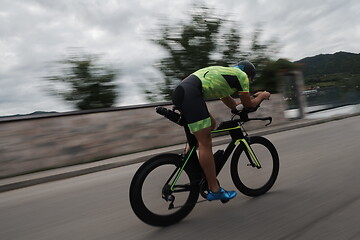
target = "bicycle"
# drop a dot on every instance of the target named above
(178, 178)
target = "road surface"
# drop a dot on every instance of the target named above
(316, 196)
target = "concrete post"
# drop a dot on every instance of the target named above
(295, 80)
(299, 83)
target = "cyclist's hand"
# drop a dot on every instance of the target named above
(236, 111)
(264, 95)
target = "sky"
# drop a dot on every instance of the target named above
(35, 34)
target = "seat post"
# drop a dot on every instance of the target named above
(190, 137)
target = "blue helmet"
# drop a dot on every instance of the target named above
(248, 68)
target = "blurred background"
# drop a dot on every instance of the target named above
(79, 81)
(66, 56)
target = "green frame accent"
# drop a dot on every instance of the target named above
(252, 154)
(225, 130)
(182, 169)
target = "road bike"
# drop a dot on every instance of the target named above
(166, 188)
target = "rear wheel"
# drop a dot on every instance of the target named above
(250, 179)
(152, 197)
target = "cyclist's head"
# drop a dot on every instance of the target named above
(248, 68)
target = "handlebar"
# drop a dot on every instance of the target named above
(243, 114)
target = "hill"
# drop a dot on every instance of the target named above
(334, 79)
(340, 62)
(341, 69)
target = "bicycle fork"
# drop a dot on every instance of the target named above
(254, 162)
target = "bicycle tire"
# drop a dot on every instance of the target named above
(136, 195)
(241, 154)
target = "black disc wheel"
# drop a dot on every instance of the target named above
(159, 196)
(254, 166)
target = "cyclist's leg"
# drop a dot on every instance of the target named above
(213, 122)
(188, 97)
(213, 126)
(206, 157)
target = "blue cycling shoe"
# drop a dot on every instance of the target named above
(222, 195)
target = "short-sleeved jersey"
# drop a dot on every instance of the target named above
(220, 82)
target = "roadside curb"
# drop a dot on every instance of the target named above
(23, 181)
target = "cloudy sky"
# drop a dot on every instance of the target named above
(36, 33)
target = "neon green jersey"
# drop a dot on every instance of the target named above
(220, 82)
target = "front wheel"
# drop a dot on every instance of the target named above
(254, 166)
(156, 197)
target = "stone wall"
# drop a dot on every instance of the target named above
(38, 143)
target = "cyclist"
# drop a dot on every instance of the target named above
(214, 82)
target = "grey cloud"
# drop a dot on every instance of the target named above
(36, 32)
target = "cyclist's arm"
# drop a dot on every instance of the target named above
(250, 102)
(230, 102)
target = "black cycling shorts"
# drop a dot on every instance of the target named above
(189, 99)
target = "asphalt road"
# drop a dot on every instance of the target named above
(316, 196)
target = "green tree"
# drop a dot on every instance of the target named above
(189, 47)
(86, 84)
(206, 40)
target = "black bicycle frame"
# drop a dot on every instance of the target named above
(191, 161)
